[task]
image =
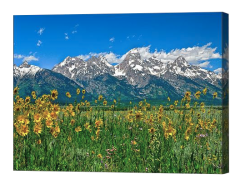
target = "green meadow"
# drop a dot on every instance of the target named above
(182, 136)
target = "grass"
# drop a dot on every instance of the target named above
(142, 138)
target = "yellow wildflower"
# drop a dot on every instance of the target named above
(78, 129)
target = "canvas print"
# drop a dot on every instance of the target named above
(145, 93)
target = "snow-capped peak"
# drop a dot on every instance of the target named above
(93, 59)
(181, 61)
(25, 64)
(68, 58)
(133, 68)
(70, 62)
(64, 61)
(25, 69)
(181, 58)
(134, 51)
(133, 54)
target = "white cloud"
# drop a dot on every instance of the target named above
(218, 70)
(84, 57)
(145, 52)
(40, 31)
(26, 58)
(30, 58)
(73, 32)
(112, 39)
(112, 58)
(18, 56)
(194, 55)
(204, 64)
(197, 55)
(39, 43)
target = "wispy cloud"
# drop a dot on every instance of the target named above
(28, 58)
(75, 29)
(130, 36)
(66, 36)
(40, 31)
(112, 39)
(97, 54)
(39, 43)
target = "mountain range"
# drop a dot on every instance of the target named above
(132, 79)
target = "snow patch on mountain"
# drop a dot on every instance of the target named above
(130, 62)
(152, 72)
(118, 72)
(156, 67)
(72, 67)
(138, 67)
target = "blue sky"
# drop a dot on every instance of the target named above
(45, 40)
